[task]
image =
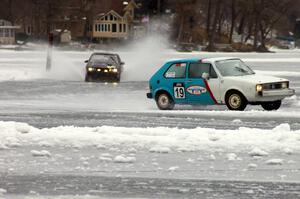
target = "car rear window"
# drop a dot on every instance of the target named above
(176, 70)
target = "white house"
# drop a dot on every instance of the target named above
(7, 32)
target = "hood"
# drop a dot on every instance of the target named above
(257, 79)
(98, 65)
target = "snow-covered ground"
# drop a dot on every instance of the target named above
(55, 126)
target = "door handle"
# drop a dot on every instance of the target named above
(188, 81)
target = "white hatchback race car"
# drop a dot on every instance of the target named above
(216, 81)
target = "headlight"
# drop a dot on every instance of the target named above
(90, 69)
(106, 71)
(284, 85)
(114, 70)
(259, 87)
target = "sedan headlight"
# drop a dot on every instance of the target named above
(90, 69)
(284, 85)
(259, 87)
(114, 70)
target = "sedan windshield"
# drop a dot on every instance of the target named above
(233, 67)
(98, 59)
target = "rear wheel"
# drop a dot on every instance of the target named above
(164, 102)
(235, 101)
(271, 106)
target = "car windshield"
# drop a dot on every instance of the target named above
(233, 67)
(98, 59)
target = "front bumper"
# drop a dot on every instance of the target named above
(149, 95)
(278, 92)
(96, 75)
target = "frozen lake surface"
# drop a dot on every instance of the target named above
(74, 139)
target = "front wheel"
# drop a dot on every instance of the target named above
(88, 78)
(164, 102)
(271, 106)
(235, 101)
(118, 78)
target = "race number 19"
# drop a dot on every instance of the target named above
(179, 92)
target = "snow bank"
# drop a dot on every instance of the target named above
(255, 142)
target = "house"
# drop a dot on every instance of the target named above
(113, 25)
(7, 32)
(110, 25)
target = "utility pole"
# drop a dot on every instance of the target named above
(50, 35)
(49, 52)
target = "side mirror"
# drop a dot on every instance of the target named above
(86, 61)
(205, 76)
(122, 63)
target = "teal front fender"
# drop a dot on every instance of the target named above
(163, 89)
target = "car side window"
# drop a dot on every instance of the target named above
(196, 70)
(176, 70)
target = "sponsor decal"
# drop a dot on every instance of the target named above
(196, 90)
(170, 74)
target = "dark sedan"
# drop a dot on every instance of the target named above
(104, 67)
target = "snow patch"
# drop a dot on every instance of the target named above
(258, 152)
(160, 149)
(252, 166)
(172, 169)
(42, 153)
(250, 191)
(237, 121)
(2, 191)
(282, 128)
(231, 156)
(212, 157)
(3, 147)
(274, 162)
(288, 151)
(124, 159)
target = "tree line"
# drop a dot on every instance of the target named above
(208, 22)
(217, 21)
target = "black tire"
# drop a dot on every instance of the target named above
(164, 101)
(87, 78)
(271, 106)
(235, 101)
(118, 78)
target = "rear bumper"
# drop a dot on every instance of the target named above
(149, 95)
(278, 92)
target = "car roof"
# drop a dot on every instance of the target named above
(185, 60)
(211, 59)
(110, 54)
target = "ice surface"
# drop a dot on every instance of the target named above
(141, 59)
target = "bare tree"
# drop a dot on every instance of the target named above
(212, 35)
